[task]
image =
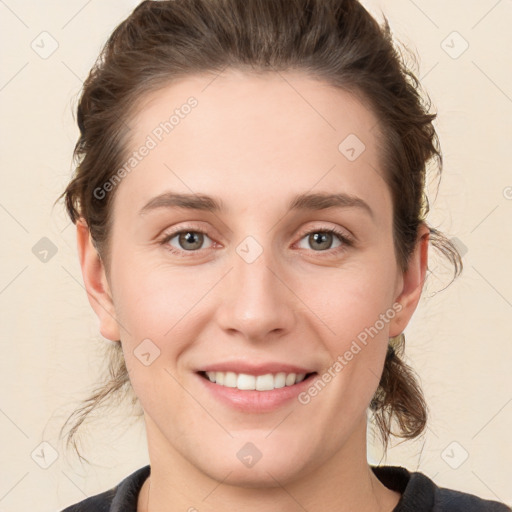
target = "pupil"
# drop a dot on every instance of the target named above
(320, 238)
(188, 238)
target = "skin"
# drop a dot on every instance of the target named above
(254, 142)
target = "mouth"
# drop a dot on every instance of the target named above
(257, 386)
(249, 382)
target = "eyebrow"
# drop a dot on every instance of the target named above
(306, 201)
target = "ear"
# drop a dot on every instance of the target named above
(410, 283)
(96, 284)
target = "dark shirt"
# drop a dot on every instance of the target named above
(419, 494)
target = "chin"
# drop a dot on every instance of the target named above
(262, 463)
(262, 475)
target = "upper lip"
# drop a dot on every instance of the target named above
(254, 369)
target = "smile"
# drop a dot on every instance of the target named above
(246, 382)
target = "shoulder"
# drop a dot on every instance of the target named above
(421, 494)
(98, 503)
(121, 498)
(455, 501)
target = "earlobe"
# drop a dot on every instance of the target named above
(96, 283)
(409, 292)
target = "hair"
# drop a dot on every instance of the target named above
(335, 41)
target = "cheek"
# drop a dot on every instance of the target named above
(356, 307)
(152, 302)
(157, 308)
(357, 315)
(351, 300)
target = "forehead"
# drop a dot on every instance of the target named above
(259, 137)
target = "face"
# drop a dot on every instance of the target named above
(269, 289)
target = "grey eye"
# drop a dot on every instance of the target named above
(320, 240)
(188, 240)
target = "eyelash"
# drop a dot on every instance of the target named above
(343, 237)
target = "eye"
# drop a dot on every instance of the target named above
(191, 240)
(321, 240)
(186, 240)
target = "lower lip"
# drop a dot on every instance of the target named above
(256, 401)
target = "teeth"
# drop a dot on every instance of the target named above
(265, 382)
(280, 380)
(230, 379)
(290, 379)
(246, 381)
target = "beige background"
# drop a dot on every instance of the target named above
(459, 340)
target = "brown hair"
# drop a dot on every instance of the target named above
(335, 41)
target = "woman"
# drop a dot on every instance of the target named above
(250, 211)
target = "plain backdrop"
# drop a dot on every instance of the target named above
(459, 340)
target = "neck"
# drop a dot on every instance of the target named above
(342, 483)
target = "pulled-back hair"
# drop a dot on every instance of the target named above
(335, 41)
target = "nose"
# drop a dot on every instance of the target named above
(257, 302)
